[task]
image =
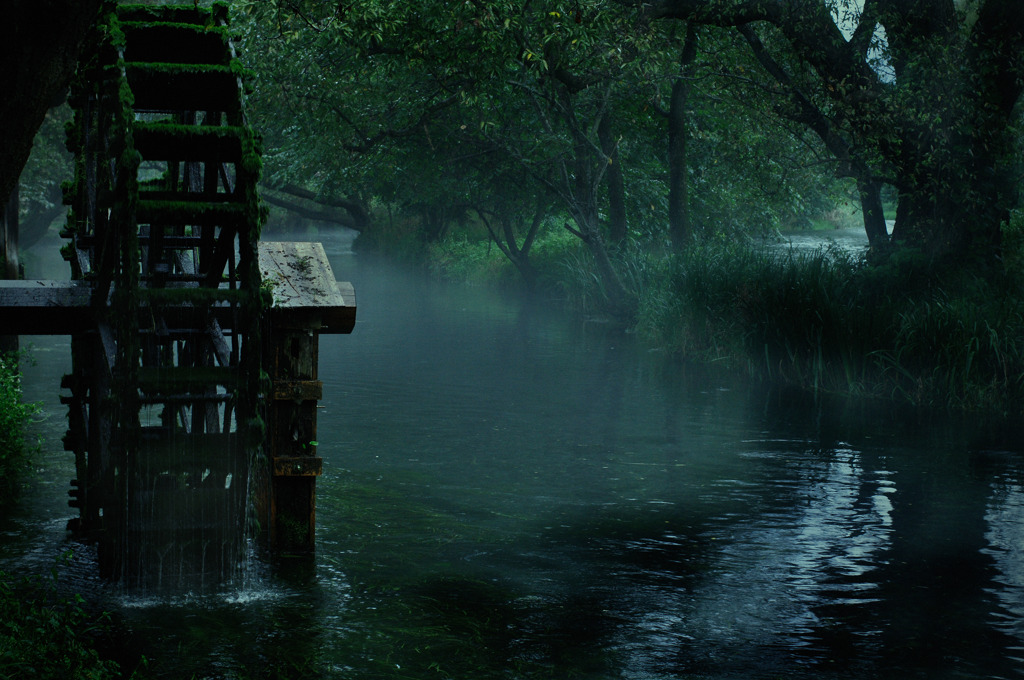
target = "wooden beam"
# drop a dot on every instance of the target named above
(306, 295)
(45, 307)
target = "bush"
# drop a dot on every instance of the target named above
(908, 331)
(461, 260)
(45, 636)
(14, 414)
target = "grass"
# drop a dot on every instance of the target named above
(908, 332)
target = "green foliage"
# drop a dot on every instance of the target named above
(639, 268)
(48, 636)
(15, 448)
(40, 197)
(480, 262)
(459, 259)
(907, 331)
(378, 99)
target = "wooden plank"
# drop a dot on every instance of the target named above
(188, 211)
(40, 307)
(35, 307)
(305, 292)
(188, 143)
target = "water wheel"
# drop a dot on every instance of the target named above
(164, 389)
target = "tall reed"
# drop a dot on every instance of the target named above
(827, 321)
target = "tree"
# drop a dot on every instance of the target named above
(680, 226)
(850, 163)
(935, 120)
(390, 85)
(560, 106)
(39, 48)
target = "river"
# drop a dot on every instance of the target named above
(509, 494)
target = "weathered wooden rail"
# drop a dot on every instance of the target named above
(192, 396)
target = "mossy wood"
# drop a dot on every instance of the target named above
(306, 301)
(194, 348)
(305, 294)
(169, 318)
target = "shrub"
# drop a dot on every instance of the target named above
(908, 330)
(14, 415)
(45, 636)
(461, 260)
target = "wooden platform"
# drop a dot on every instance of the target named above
(38, 307)
(299, 275)
(305, 293)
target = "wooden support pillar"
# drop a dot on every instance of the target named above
(294, 464)
(307, 301)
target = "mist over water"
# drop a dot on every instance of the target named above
(508, 493)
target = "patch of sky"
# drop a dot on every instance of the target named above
(847, 15)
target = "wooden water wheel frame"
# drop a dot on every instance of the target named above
(165, 389)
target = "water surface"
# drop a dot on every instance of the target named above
(507, 494)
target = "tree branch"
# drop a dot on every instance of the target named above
(354, 208)
(334, 217)
(806, 24)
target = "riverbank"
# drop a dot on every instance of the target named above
(909, 333)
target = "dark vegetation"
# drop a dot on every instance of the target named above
(626, 156)
(47, 635)
(43, 633)
(604, 149)
(908, 332)
(630, 157)
(15, 441)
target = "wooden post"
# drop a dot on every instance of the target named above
(307, 301)
(292, 438)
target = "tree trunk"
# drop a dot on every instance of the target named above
(518, 255)
(39, 46)
(613, 178)
(871, 208)
(434, 223)
(956, 219)
(620, 303)
(9, 255)
(939, 122)
(582, 204)
(679, 227)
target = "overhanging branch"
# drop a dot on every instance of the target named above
(345, 219)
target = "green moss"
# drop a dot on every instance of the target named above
(291, 530)
(185, 14)
(139, 24)
(175, 68)
(194, 131)
(193, 296)
(191, 212)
